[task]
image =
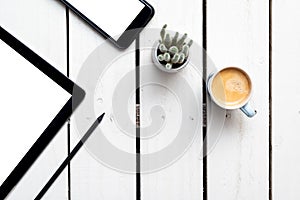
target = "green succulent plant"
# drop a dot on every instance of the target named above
(173, 51)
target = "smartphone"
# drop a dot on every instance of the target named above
(120, 21)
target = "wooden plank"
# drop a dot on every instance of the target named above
(92, 177)
(40, 24)
(181, 176)
(237, 35)
(286, 98)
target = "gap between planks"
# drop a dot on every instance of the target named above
(204, 126)
(138, 123)
(270, 102)
(69, 121)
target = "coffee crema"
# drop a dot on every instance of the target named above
(231, 87)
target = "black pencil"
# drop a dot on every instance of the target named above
(69, 158)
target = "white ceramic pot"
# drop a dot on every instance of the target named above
(162, 66)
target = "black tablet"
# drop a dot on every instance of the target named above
(36, 101)
(120, 21)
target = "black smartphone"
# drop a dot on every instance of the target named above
(120, 21)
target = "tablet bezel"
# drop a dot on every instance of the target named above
(131, 32)
(77, 95)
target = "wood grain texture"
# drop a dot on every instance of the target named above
(286, 99)
(238, 165)
(40, 24)
(181, 179)
(90, 177)
(238, 36)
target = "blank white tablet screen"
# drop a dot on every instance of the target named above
(29, 102)
(112, 16)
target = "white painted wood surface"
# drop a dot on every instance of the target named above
(181, 179)
(90, 178)
(286, 99)
(238, 34)
(40, 24)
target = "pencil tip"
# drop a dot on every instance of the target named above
(100, 117)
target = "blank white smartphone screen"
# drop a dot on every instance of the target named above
(112, 16)
(29, 102)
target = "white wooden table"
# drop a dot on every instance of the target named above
(253, 159)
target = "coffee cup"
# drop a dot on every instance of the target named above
(231, 88)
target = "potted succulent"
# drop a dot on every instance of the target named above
(171, 54)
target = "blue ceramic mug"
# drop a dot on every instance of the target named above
(231, 88)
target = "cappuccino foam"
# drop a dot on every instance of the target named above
(231, 87)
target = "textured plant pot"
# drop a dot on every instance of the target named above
(162, 67)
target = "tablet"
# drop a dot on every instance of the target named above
(36, 100)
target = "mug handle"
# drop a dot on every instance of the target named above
(248, 110)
